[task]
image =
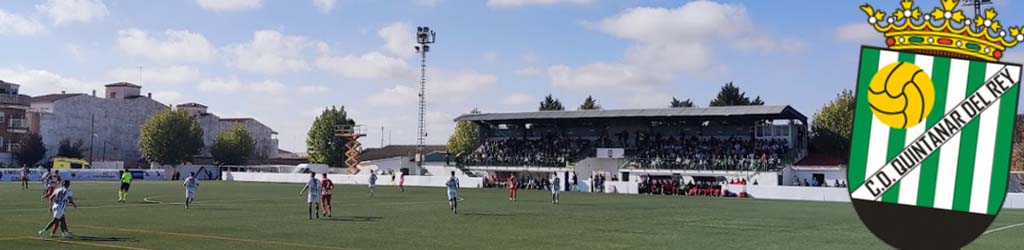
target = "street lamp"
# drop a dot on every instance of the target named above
(424, 37)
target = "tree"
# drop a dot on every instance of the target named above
(676, 103)
(730, 95)
(466, 137)
(31, 151)
(170, 137)
(69, 149)
(233, 146)
(323, 146)
(551, 104)
(590, 104)
(1017, 151)
(833, 126)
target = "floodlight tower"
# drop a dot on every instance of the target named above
(977, 5)
(424, 37)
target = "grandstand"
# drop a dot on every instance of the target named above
(715, 142)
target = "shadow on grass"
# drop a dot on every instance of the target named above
(487, 214)
(354, 218)
(103, 239)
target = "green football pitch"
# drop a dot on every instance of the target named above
(231, 215)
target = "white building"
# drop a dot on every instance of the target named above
(114, 123)
(263, 136)
(109, 126)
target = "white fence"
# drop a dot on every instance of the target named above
(36, 174)
(362, 179)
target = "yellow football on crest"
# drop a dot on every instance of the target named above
(901, 95)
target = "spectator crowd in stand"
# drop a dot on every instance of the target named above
(692, 188)
(709, 153)
(545, 151)
(646, 151)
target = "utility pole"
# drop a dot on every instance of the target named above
(382, 136)
(92, 135)
(424, 37)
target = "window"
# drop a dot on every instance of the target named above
(113, 94)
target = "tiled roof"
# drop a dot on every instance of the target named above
(123, 84)
(52, 97)
(390, 151)
(192, 105)
(782, 112)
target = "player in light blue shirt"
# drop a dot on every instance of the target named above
(191, 185)
(313, 186)
(453, 189)
(373, 182)
(556, 184)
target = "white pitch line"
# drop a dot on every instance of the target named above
(1002, 228)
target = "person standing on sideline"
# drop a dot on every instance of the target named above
(373, 182)
(24, 177)
(126, 183)
(326, 187)
(512, 186)
(453, 195)
(60, 200)
(575, 186)
(401, 181)
(191, 186)
(313, 199)
(556, 184)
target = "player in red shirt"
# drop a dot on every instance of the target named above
(512, 194)
(326, 188)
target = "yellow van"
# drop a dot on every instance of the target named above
(69, 163)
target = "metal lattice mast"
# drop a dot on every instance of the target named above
(424, 37)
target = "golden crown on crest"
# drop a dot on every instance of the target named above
(945, 31)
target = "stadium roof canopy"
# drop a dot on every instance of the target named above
(778, 112)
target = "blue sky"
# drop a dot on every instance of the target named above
(283, 61)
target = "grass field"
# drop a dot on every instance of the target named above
(273, 216)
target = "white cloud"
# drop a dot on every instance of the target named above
(399, 39)
(604, 77)
(220, 85)
(522, 3)
(373, 65)
(427, 3)
(518, 99)
(312, 89)
(857, 32)
(267, 87)
(155, 75)
(14, 24)
(229, 5)
(528, 72)
(168, 97)
(272, 53)
(324, 5)
(442, 87)
(457, 85)
(665, 42)
(172, 46)
(36, 82)
(68, 11)
(400, 95)
(233, 85)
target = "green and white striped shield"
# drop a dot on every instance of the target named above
(957, 156)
